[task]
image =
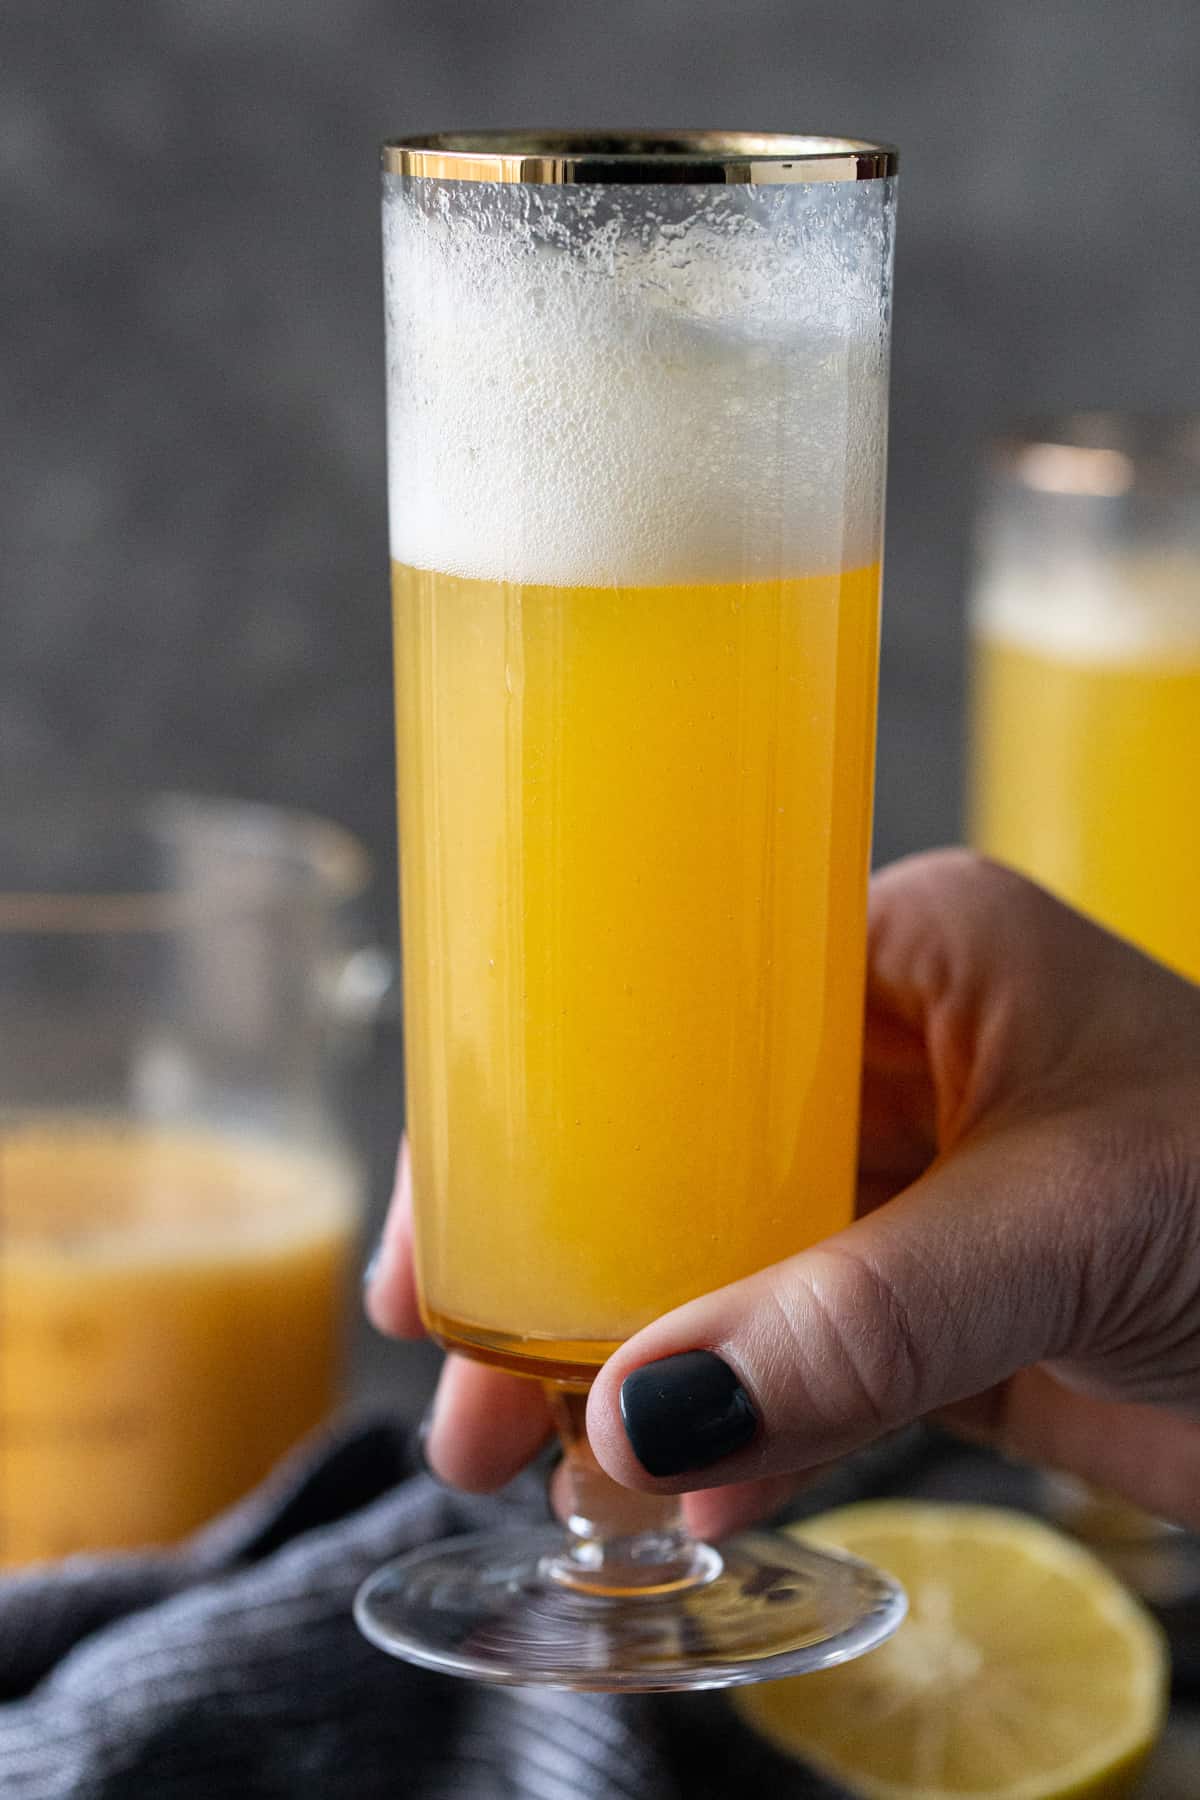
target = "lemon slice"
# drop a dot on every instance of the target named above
(1024, 1670)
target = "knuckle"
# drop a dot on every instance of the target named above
(850, 1343)
(961, 875)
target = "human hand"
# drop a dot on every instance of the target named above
(1026, 1269)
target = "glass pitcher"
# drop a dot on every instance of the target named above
(179, 1205)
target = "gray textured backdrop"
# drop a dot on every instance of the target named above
(193, 500)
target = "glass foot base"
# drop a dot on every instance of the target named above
(490, 1607)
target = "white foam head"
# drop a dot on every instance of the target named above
(1095, 606)
(636, 386)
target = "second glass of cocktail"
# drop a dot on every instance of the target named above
(637, 418)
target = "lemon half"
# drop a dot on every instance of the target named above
(1024, 1670)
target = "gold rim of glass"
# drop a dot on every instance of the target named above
(755, 158)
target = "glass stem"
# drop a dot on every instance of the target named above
(618, 1541)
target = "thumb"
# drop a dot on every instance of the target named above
(973, 1273)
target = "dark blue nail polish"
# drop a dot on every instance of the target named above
(372, 1267)
(685, 1412)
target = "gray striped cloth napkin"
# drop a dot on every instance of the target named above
(232, 1667)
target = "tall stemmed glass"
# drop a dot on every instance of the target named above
(637, 419)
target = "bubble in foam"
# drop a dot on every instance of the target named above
(636, 386)
(1102, 607)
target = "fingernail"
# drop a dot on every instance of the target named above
(372, 1265)
(423, 1430)
(685, 1412)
